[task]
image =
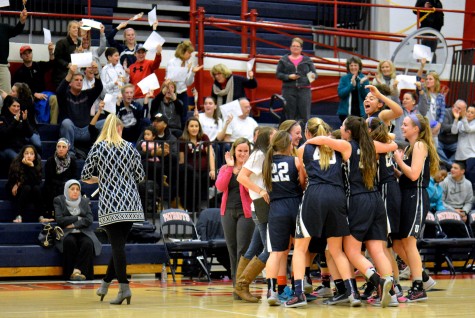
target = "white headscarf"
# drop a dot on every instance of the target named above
(72, 205)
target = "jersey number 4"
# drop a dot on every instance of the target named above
(280, 172)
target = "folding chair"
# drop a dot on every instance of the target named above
(210, 229)
(456, 230)
(181, 240)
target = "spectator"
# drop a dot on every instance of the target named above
(127, 49)
(447, 140)
(143, 68)
(295, 71)
(464, 126)
(211, 120)
(435, 191)
(131, 113)
(24, 180)
(409, 106)
(386, 75)
(147, 144)
(168, 104)
(58, 169)
(75, 105)
(432, 98)
(79, 244)
(22, 92)
(196, 156)
(113, 75)
(430, 19)
(180, 70)
(352, 91)
(88, 82)
(33, 74)
(15, 129)
(167, 151)
(62, 53)
(7, 32)
(85, 35)
(242, 126)
(458, 193)
(228, 87)
(236, 215)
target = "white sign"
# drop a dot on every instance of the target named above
(249, 66)
(233, 108)
(149, 83)
(153, 40)
(406, 82)
(311, 77)
(4, 3)
(422, 52)
(47, 34)
(110, 103)
(92, 23)
(81, 59)
(152, 16)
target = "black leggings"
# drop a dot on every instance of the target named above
(117, 268)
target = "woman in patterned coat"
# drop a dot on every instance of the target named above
(119, 169)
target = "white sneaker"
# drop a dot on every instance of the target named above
(273, 298)
(307, 288)
(323, 292)
(429, 284)
(405, 274)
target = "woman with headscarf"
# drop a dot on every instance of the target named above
(79, 244)
(59, 168)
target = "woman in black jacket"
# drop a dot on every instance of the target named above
(79, 244)
(228, 87)
(15, 128)
(295, 71)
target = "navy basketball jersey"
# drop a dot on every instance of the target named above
(422, 181)
(285, 178)
(354, 178)
(333, 175)
(385, 168)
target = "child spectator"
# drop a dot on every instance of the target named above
(131, 113)
(113, 75)
(147, 144)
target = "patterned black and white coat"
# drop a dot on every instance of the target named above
(119, 170)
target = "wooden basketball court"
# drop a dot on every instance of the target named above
(451, 297)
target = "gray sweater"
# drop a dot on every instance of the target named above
(445, 135)
(466, 139)
(457, 194)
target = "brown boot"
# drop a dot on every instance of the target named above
(240, 268)
(248, 275)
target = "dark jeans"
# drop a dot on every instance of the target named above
(117, 268)
(238, 232)
(298, 103)
(78, 252)
(258, 245)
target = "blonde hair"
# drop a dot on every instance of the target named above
(391, 66)
(317, 127)
(436, 77)
(182, 48)
(221, 68)
(122, 90)
(70, 25)
(109, 132)
(298, 40)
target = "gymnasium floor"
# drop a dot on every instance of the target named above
(451, 297)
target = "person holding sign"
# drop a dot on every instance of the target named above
(75, 105)
(228, 87)
(242, 125)
(143, 68)
(297, 72)
(7, 32)
(62, 53)
(180, 69)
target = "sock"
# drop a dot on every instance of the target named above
(292, 281)
(425, 277)
(307, 275)
(298, 287)
(271, 283)
(326, 280)
(340, 286)
(281, 284)
(348, 286)
(354, 285)
(369, 272)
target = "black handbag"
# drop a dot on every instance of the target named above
(143, 232)
(49, 234)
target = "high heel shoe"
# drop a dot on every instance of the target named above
(124, 293)
(102, 291)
